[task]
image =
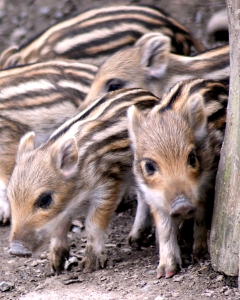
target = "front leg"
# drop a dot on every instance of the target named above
(142, 222)
(169, 252)
(59, 247)
(200, 247)
(97, 221)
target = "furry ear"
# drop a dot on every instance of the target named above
(67, 157)
(134, 117)
(154, 53)
(26, 144)
(6, 55)
(13, 61)
(196, 115)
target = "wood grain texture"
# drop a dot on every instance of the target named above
(224, 239)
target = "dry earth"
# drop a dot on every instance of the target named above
(130, 273)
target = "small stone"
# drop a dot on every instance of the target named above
(142, 284)
(18, 33)
(198, 17)
(127, 250)
(58, 15)
(6, 286)
(76, 229)
(2, 14)
(71, 281)
(223, 289)
(151, 272)
(178, 278)
(227, 293)
(43, 256)
(72, 261)
(110, 245)
(159, 298)
(102, 278)
(44, 11)
(34, 263)
(208, 293)
(175, 295)
(219, 278)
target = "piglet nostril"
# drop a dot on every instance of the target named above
(175, 216)
(182, 209)
(190, 213)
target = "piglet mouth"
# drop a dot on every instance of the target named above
(18, 249)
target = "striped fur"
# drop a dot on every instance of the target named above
(150, 65)
(86, 162)
(175, 164)
(38, 97)
(93, 35)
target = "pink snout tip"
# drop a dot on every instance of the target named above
(182, 208)
(18, 249)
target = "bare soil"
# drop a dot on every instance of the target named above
(130, 272)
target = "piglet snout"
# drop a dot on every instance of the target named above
(182, 209)
(18, 249)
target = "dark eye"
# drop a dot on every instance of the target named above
(150, 167)
(115, 84)
(44, 200)
(192, 159)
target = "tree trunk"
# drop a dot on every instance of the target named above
(225, 232)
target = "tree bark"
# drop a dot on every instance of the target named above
(225, 231)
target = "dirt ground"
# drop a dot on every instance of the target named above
(130, 273)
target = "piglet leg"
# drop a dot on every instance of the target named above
(169, 252)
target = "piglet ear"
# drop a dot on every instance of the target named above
(26, 144)
(154, 53)
(134, 117)
(67, 157)
(6, 55)
(196, 114)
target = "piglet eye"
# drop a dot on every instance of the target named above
(114, 85)
(192, 159)
(44, 200)
(150, 167)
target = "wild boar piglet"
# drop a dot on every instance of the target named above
(176, 152)
(85, 167)
(149, 64)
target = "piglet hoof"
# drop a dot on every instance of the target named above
(200, 251)
(169, 266)
(141, 236)
(144, 241)
(91, 261)
(161, 272)
(134, 242)
(58, 258)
